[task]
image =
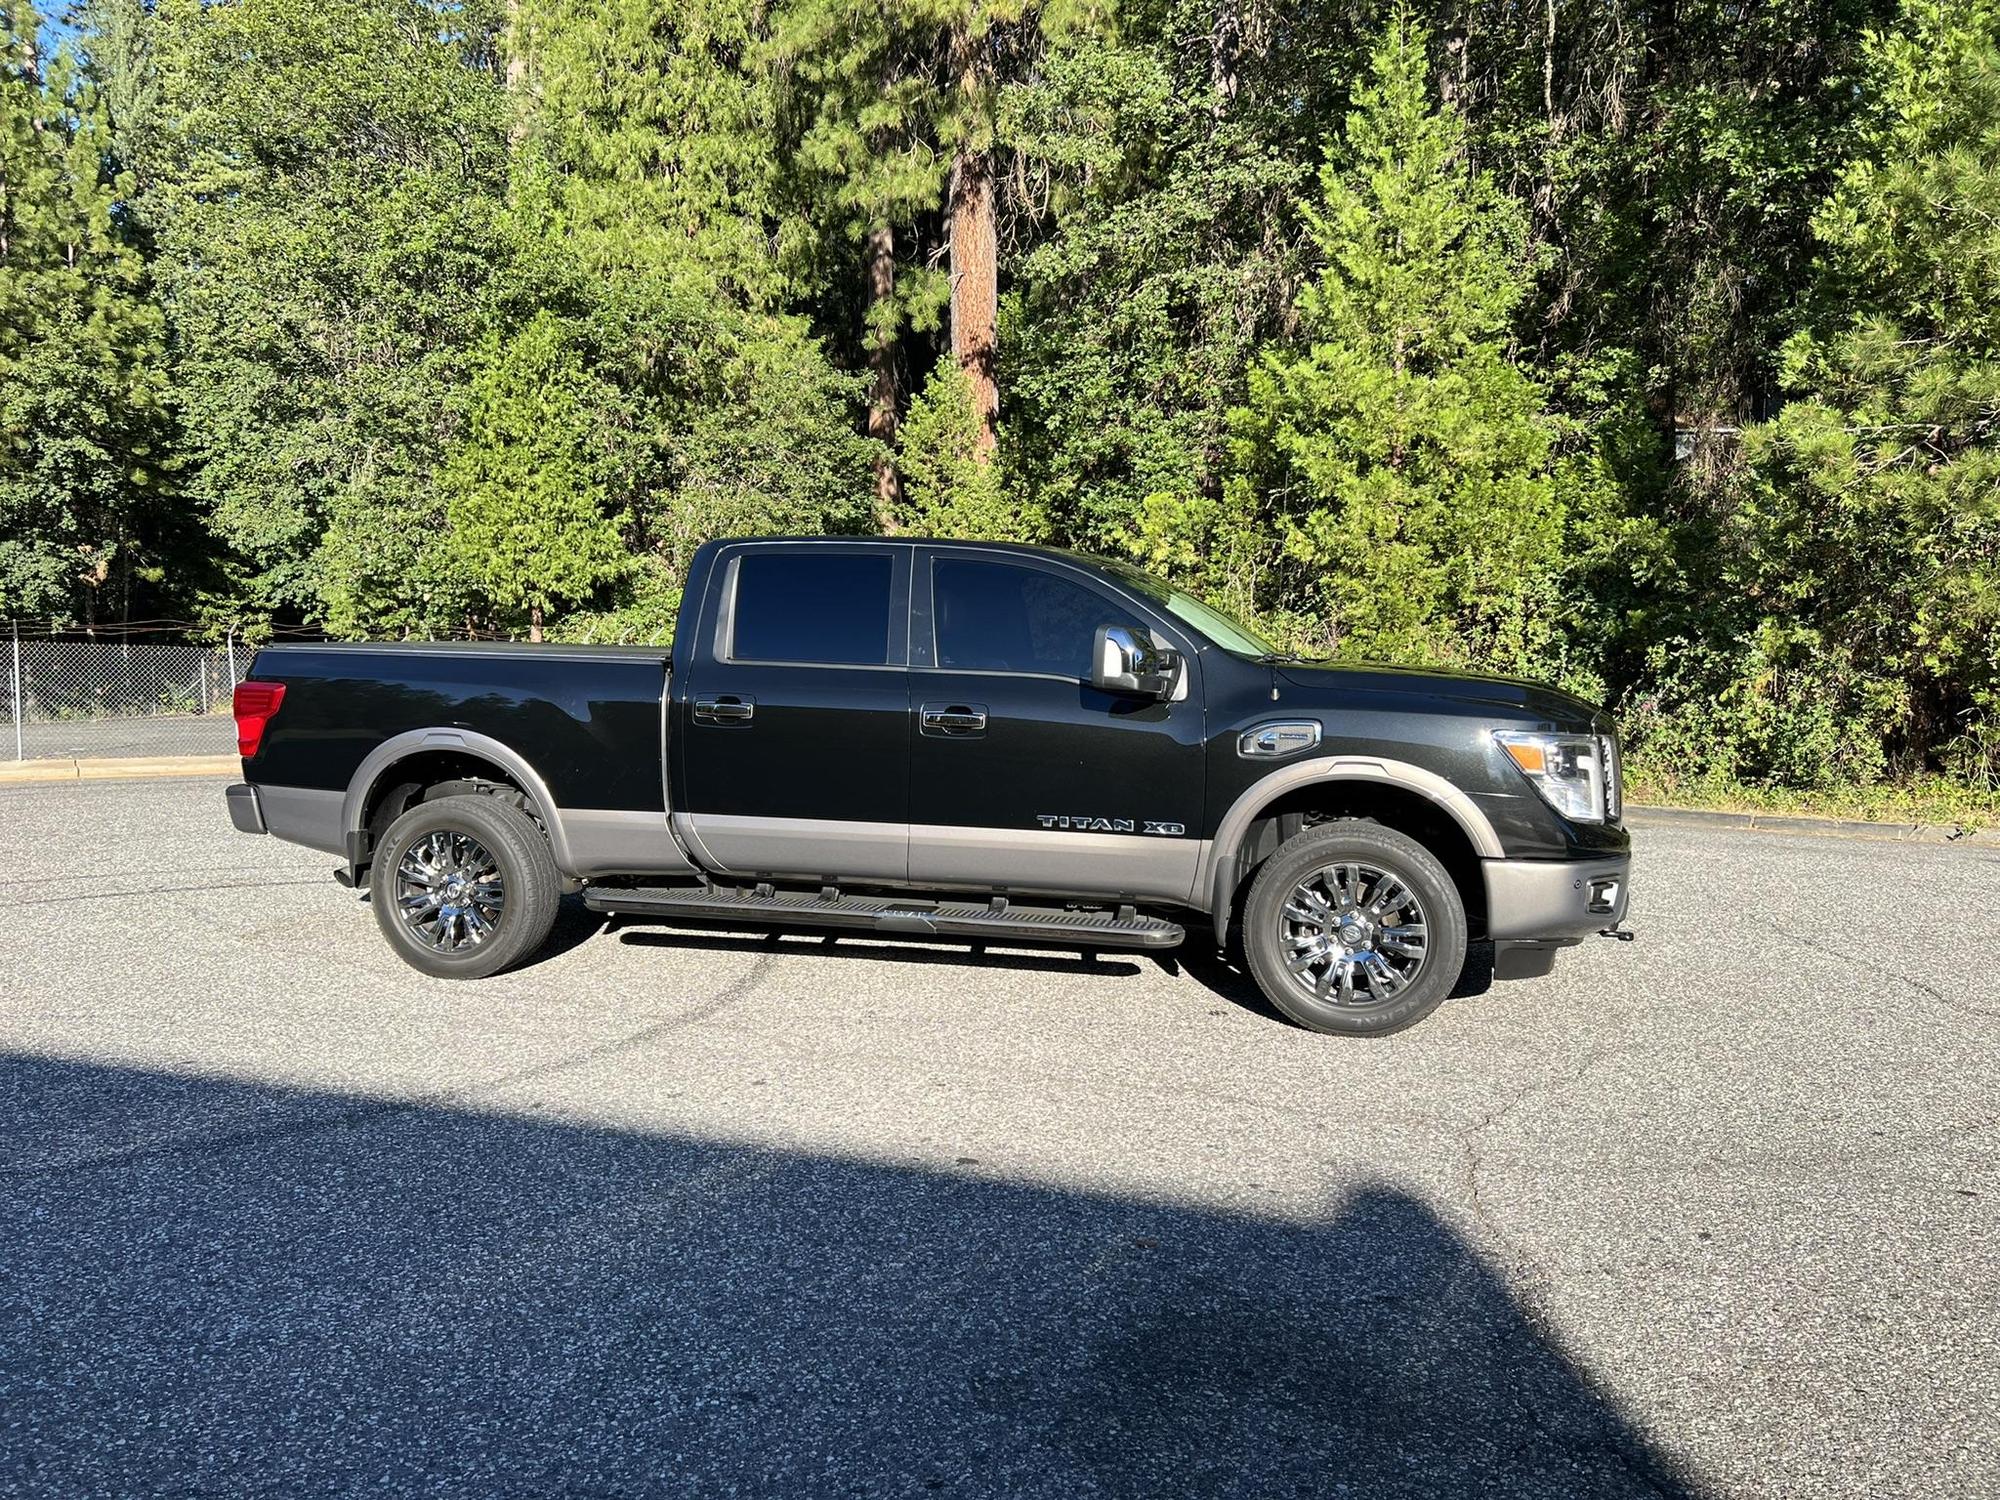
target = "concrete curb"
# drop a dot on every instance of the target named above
(1838, 828)
(68, 768)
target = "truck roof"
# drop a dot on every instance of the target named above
(1019, 549)
(457, 648)
(909, 540)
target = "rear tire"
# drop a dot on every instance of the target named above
(464, 887)
(1354, 929)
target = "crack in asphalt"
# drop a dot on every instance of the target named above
(1824, 950)
(164, 890)
(734, 993)
(730, 995)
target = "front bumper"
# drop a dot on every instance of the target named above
(245, 811)
(1556, 901)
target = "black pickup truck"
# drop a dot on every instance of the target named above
(951, 740)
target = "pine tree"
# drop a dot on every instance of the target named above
(527, 488)
(1169, 251)
(644, 205)
(80, 350)
(953, 490)
(327, 223)
(895, 112)
(1397, 491)
(1868, 544)
(859, 107)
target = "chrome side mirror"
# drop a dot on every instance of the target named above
(1127, 662)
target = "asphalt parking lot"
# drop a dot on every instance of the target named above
(1707, 1214)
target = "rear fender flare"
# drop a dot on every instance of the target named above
(383, 759)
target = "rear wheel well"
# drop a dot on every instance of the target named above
(1396, 807)
(430, 774)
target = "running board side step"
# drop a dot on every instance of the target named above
(995, 921)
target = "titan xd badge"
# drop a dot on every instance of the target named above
(1110, 825)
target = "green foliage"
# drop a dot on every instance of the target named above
(527, 488)
(1656, 351)
(1171, 254)
(327, 223)
(1858, 571)
(639, 203)
(948, 491)
(83, 439)
(1396, 490)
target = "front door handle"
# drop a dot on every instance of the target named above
(953, 719)
(728, 709)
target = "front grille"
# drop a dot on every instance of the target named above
(1614, 776)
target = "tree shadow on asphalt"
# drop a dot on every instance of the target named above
(221, 1288)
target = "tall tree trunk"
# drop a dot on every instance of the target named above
(534, 622)
(1225, 48)
(880, 268)
(515, 48)
(975, 289)
(975, 250)
(1549, 66)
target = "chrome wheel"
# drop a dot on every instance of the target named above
(1353, 934)
(449, 892)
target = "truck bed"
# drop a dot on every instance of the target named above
(587, 717)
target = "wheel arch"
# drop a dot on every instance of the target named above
(462, 750)
(1395, 793)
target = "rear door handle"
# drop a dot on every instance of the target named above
(952, 719)
(728, 709)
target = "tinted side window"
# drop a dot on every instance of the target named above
(830, 608)
(992, 617)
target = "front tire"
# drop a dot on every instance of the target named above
(1354, 929)
(464, 887)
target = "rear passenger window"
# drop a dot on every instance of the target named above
(828, 608)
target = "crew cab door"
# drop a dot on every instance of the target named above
(792, 727)
(1024, 777)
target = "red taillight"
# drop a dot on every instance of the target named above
(255, 703)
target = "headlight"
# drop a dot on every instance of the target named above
(1569, 770)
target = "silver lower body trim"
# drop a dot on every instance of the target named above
(1553, 899)
(614, 842)
(935, 856)
(305, 815)
(243, 809)
(823, 849)
(1055, 862)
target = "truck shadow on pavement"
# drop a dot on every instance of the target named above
(1223, 976)
(221, 1288)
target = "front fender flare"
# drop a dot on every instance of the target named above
(1217, 873)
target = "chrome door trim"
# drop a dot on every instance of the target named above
(948, 720)
(724, 709)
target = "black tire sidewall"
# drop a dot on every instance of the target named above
(527, 872)
(1394, 852)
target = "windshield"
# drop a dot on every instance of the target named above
(1231, 635)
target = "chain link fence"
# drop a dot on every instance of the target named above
(92, 698)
